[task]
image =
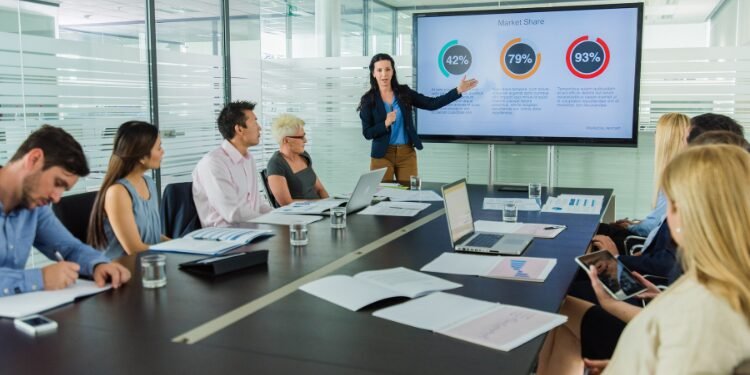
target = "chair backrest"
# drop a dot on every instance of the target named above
(271, 199)
(74, 212)
(178, 214)
(743, 368)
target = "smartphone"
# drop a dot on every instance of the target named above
(616, 278)
(35, 324)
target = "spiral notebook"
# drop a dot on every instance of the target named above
(212, 241)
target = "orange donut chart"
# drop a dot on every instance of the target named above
(514, 75)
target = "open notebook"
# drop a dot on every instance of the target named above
(25, 304)
(211, 241)
(494, 325)
(368, 287)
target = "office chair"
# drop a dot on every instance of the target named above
(74, 212)
(269, 195)
(178, 213)
(634, 244)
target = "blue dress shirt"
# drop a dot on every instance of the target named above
(22, 228)
(398, 134)
(653, 219)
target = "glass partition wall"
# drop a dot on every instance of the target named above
(84, 65)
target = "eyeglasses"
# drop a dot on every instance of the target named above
(303, 136)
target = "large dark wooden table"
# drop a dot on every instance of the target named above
(131, 330)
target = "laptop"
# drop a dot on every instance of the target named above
(461, 226)
(363, 193)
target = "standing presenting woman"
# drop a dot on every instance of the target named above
(386, 113)
(125, 219)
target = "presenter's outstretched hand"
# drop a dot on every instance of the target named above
(466, 84)
(390, 118)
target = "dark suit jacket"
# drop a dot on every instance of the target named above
(658, 258)
(373, 116)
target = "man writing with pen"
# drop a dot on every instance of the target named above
(48, 163)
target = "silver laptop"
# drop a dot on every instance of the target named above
(365, 190)
(361, 198)
(461, 226)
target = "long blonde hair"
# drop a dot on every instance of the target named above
(671, 133)
(708, 185)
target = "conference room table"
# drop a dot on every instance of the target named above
(255, 320)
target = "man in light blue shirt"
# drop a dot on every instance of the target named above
(48, 163)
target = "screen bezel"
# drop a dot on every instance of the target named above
(535, 140)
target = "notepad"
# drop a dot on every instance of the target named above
(408, 209)
(531, 229)
(25, 304)
(494, 325)
(497, 267)
(364, 288)
(211, 241)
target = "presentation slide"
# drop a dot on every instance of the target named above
(565, 73)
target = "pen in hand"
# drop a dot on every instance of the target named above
(59, 256)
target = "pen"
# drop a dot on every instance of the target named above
(555, 227)
(59, 256)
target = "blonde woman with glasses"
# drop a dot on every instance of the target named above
(701, 325)
(290, 173)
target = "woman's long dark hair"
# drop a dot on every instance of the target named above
(133, 141)
(398, 90)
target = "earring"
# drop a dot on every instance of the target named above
(678, 230)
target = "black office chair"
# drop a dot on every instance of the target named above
(74, 212)
(178, 213)
(269, 195)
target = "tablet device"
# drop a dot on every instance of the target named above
(615, 277)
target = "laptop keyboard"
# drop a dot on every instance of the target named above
(484, 240)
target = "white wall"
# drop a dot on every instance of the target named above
(676, 35)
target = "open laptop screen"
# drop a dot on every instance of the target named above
(457, 210)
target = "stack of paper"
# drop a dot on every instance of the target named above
(536, 230)
(574, 204)
(398, 195)
(501, 327)
(211, 241)
(25, 304)
(275, 217)
(513, 268)
(395, 209)
(368, 287)
(522, 204)
(310, 207)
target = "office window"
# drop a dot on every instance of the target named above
(77, 65)
(190, 84)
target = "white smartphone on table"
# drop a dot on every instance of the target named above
(616, 278)
(35, 324)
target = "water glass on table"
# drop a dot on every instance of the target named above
(510, 212)
(298, 234)
(154, 270)
(338, 217)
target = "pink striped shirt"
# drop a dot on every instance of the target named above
(225, 188)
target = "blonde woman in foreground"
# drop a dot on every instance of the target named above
(701, 325)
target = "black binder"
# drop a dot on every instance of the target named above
(219, 265)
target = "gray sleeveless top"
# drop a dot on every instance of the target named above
(301, 184)
(147, 219)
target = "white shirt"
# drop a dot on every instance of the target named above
(225, 188)
(686, 330)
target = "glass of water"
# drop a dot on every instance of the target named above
(510, 212)
(535, 193)
(154, 270)
(415, 183)
(298, 234)
(338, 217)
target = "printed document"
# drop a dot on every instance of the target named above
(395, 209)
(364, 288)
(211, 241)
(522, 204)
(574, 204)
(497, 326)
(536, 230)
(24, 304)
(498, 267)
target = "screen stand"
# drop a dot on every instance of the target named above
(551, 169)
(491, 181)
